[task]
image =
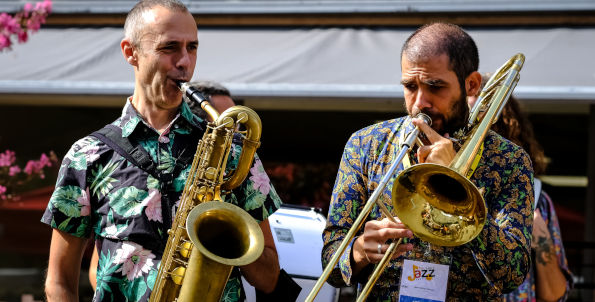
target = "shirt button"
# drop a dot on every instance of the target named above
(164, 139)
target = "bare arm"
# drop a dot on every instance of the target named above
(66, 254)
(550, 280)
(93, 268)
(264, 272)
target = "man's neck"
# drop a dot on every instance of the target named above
(156, 117)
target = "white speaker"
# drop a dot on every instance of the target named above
(297, 231)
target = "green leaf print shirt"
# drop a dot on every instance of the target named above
(99, 193)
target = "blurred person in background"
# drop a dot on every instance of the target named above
(549, 278)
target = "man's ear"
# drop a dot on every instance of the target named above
(129, 52)
(473, 83)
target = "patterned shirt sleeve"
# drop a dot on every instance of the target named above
(69, 208)
(502, 250)
(347, 196)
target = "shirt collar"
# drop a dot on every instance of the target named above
(130, 118)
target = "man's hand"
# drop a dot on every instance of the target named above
(439, 151)
(376, 234)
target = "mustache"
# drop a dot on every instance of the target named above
(433, 114)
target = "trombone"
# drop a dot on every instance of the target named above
(438, 204)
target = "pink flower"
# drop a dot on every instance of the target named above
(153, 205)
(2, 190)
(4, 41)
(7, 158)
(27, 9)
(260, 178)
(4, 17)
(34, 23)
(85, 203)
(32, 167)
(22, 36)
(45, 161)
(135, 260)
(8, 24)
(44, 7)
(28, 19)
(14, 170)
(36, 166)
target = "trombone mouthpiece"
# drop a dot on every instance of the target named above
(426, 118)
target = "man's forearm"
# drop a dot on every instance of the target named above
(62, 280)
(550, 281)
(264, 272)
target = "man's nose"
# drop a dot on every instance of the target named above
(184, 59)
(422, 100)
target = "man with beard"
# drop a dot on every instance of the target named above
(439, 69)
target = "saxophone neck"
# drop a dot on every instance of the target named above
(251, 141)
(196, 96)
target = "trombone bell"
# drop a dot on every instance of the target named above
(439, 205)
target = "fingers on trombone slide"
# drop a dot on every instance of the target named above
(379, 234)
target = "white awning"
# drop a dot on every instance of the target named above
(319, 6)
(304, 63)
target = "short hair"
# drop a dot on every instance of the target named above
(134, 20)
(444, 38)
(207, 89)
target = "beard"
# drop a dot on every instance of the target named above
(450, 122)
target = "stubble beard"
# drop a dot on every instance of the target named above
(451, 122)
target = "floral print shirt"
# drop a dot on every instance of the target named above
(493, 263)
(526, 291)
(99, 193)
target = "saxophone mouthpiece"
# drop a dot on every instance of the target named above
(191, 92)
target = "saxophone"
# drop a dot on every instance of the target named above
(209, 237)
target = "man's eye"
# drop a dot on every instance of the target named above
(410, 86)
(435, 88)
(168, 47)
